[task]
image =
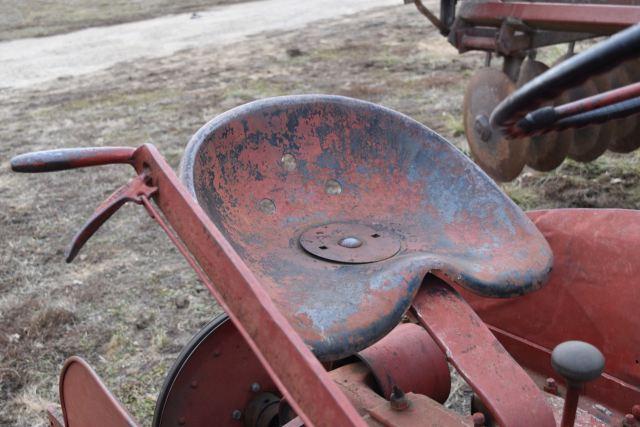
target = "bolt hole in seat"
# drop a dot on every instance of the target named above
(341, 207)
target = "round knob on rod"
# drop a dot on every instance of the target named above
(577, 362)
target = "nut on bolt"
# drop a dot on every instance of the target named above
(478, 419)
(550, 386)
(398, 399)
(482, 127)
(629, 421)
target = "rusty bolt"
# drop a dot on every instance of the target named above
(398, 399)
(629, 420)
(550, 386)
(635, 410)
(482, 127)
(478, 419)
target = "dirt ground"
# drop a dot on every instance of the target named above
(36, 18)
(129, 302)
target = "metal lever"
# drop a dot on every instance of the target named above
(133, 191)
(71, 158)
(578, 362)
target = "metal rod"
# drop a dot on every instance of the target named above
(570, 405)
(431, 17)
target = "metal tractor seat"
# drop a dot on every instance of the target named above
(342, 207)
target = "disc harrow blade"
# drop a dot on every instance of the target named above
(587, 143)
(625, 140)
(501, 158)
(583, 152)
(545, 152)
(631, 141)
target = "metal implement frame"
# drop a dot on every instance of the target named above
(294, 369)
(601, 19)
(292, 366)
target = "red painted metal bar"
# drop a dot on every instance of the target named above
(590, 18)
(508, 392)
(296, 371)
(597, 101)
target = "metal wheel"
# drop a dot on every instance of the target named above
(215, 380)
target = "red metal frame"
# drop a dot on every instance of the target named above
(507, 391)
(588, 18)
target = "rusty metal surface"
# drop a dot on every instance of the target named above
(548, 151)
(582, 151)
(408, 357)
(298, 375)
(354, 380)
(499, 157)
(422, 412)
(509, 394)
(86, 401)
(351, 243)
(215, 374)
(591, 18)
(583, 139)
(392, 172)
(591, 296)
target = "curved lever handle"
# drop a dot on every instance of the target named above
(133, 191)
(71, 158)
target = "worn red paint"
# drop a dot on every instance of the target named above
(591, 296)
(503, 386)
(582, 17)
(77, 382)
(400, 359)
(452, 221)
(395, 175)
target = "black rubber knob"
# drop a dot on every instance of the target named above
(577, 361)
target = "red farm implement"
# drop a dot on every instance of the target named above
(516, 31)
(358, 256)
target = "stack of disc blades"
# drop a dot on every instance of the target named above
(503, 159)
